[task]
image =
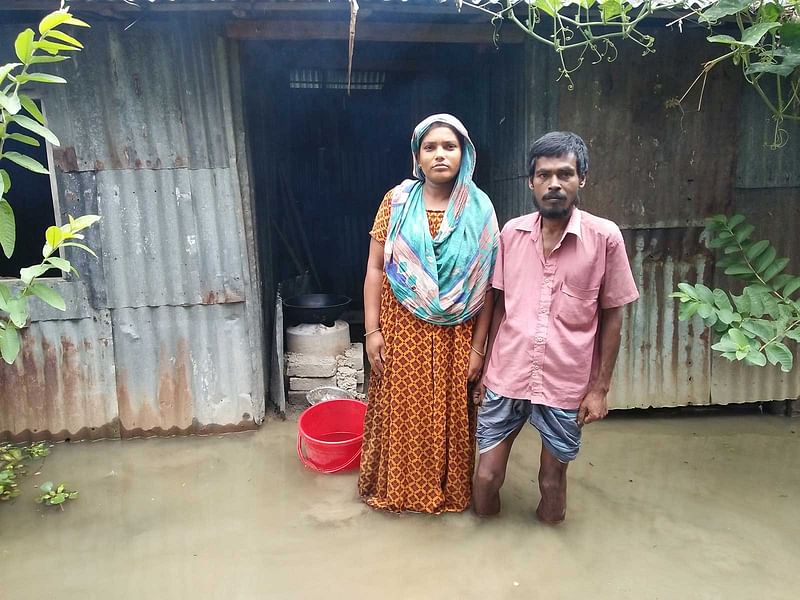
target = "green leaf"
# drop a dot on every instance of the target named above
(81, 223)
(6, 69)
(726, 316)
(705, 310)
(548, 6)
(26, 161)
(752, 35)
(8, 228)
(24, 139)
(41, 78)
(61, 264)
(780, 281)
(18, 311)
(704, 293)
(44, 59)
(63, 37)
(743, 233)
(48, 295)
(54, 19)
(687, 289)
(722, 39)
(81, 246)
(76, 22)
(738, 269)
(54, 236)
(721, 299)
(53, 47)
(46, 487)
(771, 306)
(756, 358)
(790, 34)
(764, 330)
(36, 128)
(755, 250)
(32, 109)
(28, 274)
(10, 104)
(688, 310)
(794, 334)
(776, 267)
(723, 8)
(792, 286)
(742, 303)
(738, 338)
(725, 345)
(779, 353)
(741, 354)
(734, 221)
(765, 260)
(790, 60)
(5, 182)
(769, 12)
(9, 343)
(24, 45)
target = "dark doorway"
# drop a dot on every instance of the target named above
(323, 159)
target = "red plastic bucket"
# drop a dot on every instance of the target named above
(331, 433)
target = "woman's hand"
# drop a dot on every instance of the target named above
(376, 352)
(475, 366)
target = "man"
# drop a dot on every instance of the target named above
(562, 279)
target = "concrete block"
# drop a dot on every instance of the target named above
(318, 339)
(304, 384)
(353, 357)
(308, 365)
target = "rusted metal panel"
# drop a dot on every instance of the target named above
(171, 237)
(183, 369)
(662, 361)
(63, 384)
(523, 105)
(774, 213)
(759, 166)
(146, 98)
(650, 165)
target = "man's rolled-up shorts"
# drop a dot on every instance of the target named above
(499, 417)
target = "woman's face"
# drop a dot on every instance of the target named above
(440, 154)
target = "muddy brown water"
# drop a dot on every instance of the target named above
(685, 508)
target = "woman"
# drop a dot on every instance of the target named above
(430, 258)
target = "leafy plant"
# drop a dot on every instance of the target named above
(32, 49)
(53, 495)
(767, 47)
(752, 326)
(12, 464)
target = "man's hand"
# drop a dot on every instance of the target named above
(477, 392)
(594, 407)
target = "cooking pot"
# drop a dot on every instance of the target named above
(315, 308)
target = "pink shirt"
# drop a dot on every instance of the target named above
(545, 346)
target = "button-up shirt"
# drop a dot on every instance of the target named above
(547, 343)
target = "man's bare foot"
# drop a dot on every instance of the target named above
(550, 517)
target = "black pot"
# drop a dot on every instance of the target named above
(315, 308)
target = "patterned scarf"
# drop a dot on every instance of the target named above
(441, 280)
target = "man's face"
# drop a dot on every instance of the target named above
(555, 184)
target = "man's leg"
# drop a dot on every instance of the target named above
(489, 477)
(553, 488)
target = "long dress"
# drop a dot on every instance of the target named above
(419, 430)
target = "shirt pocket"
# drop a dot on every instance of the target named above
(578, 306)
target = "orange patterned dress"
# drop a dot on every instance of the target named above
(419, 431)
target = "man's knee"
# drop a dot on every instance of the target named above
(489, 478)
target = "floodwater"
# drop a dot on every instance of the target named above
(659, 508)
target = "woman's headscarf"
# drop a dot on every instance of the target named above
(441, 280)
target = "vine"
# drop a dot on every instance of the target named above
(767, 48)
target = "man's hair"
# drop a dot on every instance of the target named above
(560, 143)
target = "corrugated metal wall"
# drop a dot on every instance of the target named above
(658, 172)
(165, 334)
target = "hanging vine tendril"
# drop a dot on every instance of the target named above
(767, 49)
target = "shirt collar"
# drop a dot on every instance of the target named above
(533, 223)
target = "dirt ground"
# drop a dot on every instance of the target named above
(692, 508)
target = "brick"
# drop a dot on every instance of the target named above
(306, 365)
(353, 357)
